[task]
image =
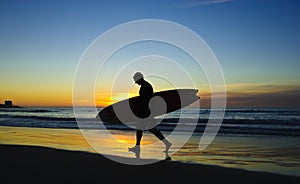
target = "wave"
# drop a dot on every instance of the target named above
(227, 127)
(38, 117)
(297, 111)
(26, 110)
(170, 120)
(202, 111)
(237, 121)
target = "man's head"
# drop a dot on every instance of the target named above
(138, 77)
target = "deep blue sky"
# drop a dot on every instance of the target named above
(256, 42)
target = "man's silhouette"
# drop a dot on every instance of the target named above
(146, 93)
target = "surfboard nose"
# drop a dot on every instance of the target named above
(108, 116)
(104, 116)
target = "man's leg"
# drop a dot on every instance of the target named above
(161, 137)
(139, 135)
(157, 133)
(136, 149)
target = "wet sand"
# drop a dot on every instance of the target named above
(262, 154)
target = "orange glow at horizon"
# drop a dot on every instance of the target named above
(107, 99)
(238, 95)
(38, 97)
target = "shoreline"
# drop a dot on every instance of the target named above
(38, 164)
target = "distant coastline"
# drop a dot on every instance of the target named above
(9, 104)
(4, 106)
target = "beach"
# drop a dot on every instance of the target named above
(249, 140)
(232, 157)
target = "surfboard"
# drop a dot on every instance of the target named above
(162, 102)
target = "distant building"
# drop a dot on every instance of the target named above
(8, 103)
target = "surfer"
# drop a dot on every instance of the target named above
(146, 93)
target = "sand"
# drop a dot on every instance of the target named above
(34, 164)
(254, 153)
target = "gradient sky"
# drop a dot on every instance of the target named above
(256, 42)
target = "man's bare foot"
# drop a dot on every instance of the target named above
(135, 149)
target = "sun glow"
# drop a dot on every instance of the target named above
(106, 99)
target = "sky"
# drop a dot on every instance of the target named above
(256, 42)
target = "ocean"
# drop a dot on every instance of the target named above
(236, 121)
